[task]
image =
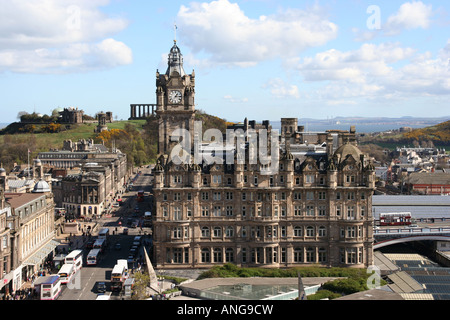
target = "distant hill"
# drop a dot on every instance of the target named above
(435, 135)
(438, 134)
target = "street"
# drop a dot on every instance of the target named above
(84, 284)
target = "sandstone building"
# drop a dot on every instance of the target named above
(315, 208)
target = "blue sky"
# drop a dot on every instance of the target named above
(261, 59)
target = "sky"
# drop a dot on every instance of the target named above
(260, 59)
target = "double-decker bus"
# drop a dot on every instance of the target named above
(93, 257)
(49, 288)
(395, 219)
(66, 273)
(75, 258)
(100, 244)
(119, 275)
(103, 234)
(140, 196)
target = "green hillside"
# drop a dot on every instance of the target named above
(137, 138)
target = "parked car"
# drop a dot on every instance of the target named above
(101, 287)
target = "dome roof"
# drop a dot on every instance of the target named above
(41, 187)
(347, 149)
(175, 61)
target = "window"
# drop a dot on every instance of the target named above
(205, 211)
(229, 211)
(189, 196)
(177, 179)
(216, 196)
(309, 178)
(189, 211)
(176, 233)
(297, 231)
(297, 195)
(229, 232)
(310, 255)
(310, 231)
(351, 232)
(217, 232)
(205, 232)
(176, 196)
(205, 195)
(322, 257)
(229, 255)
(350, 212)
(255, 181)
(217, 212)
(165, 212)
(177, 213)
(244, 196)
(322, 231)
(205, 255)
(310, 211)
(297, 210)
(217, 179)
(322, 211)
(309, 195)
(298, 254)
(322, 195)
(229, 195)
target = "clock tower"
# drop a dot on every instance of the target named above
(175, 108)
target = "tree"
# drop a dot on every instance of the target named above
(20, 114)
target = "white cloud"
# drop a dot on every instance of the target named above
(222, 31)
(385, 71)
(281, 89)
(56, 36)
(411, 15)
(232, 99)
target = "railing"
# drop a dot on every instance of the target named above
(403, 231)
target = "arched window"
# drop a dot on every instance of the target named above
(205, 232)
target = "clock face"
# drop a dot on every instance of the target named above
(175, 96)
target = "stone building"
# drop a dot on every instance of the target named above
(71, 115)
(90, 191)
(313, 208)
(31, 226)
(6, 271)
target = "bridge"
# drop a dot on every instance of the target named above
(389, 236)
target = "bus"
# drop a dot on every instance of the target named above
(75, 258)
(140, 196)
(103, 234)
(93, 257)
(395, 219)
(147, 219)
(119, 275)
(100, 244)
(66, 273)
(49, 288)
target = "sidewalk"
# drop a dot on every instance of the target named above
(73, 241)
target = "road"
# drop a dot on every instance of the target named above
(83, 285)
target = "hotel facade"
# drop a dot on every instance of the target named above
(314, 209)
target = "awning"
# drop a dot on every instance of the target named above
(41, 254)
